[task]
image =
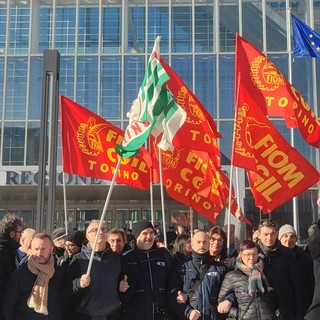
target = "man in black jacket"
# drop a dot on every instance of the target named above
(314, 246)
(10, 233)
(282, 271)
(96, 295)
(194, 286)
(145, 272)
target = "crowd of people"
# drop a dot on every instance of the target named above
(101, 274)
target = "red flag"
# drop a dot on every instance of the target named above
(273, 92)
(199, 131)
(88, 148)
(277, 172)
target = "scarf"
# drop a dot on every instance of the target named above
(255, 276)
(39, 295)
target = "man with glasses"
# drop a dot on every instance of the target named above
(11, 228)
(97, 295)
(281, 269)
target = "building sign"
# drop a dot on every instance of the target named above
(31, 178)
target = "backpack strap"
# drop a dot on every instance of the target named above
(198, 282)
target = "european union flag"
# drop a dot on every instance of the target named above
(306, 40)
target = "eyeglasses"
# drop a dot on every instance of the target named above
(103, 230)
(267, 223)
(248, 255)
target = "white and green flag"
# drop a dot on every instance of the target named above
(153, 112)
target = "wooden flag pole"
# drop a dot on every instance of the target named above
(104, 211)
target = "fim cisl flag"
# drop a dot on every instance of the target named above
(153, 112)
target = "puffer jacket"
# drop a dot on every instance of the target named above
(147, 273)
(206, 295)
(260, 307)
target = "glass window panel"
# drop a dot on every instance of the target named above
(134, 69)
(1, 85)
(136, 28)
(229, 24)
(111, 29)
(33, 143)
(204, 28)
(65, 29)
(3, 27)
(13, 144)
(87, 82)
(182, 65)
(276, 26)
(226, 129)
(181, 29)
(45, 27)
(158, 23)
(35, 88)
(252, 22)
(205, 82)
(88, 30)
(16, 90)
(226, 86)
(67, 81)
(111, 87)
(19, 29)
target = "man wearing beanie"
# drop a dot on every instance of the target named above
(197, 283)
(72, 243)
(145, 272)
(282, 271)
(288, 238)
(58, 235)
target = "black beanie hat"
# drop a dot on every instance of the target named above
(77, 237)
(139, 226)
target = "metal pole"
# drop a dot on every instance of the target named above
(50, 78)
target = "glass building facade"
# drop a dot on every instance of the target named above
(104, 47)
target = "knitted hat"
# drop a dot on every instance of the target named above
(58, 233)
(287, 228)
(139, 226)
(77, 237)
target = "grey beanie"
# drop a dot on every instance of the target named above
(58, 233)
(139, 226)
(286, 228)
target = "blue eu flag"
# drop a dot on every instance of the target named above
(306, 40)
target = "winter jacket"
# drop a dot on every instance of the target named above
(282, 271)
(8, 247)
(205, 296)
(101, 297)
(19, 288)
(260, 307)
(313, 312)
(305, 263)
(147, 273)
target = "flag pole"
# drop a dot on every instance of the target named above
(191, 221)
(162, 200)
(104, 211)
(65, 203)
(295, 199)
(151, 188)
